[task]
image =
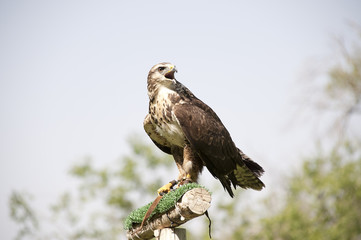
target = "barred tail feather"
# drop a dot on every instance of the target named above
(245, 175)
(248, 172)
(253, 166)
(246, 178)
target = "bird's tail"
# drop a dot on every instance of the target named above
(253, 166)
(247, 173)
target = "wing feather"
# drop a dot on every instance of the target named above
(158, 140)
(208, 137)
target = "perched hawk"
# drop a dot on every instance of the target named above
(182, 125)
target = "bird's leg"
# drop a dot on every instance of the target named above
(177, 153)
(185, 180)
(190, 165)
(182, 174)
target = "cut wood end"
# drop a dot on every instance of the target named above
(197, 200)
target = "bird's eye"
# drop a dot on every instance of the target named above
(161, 69)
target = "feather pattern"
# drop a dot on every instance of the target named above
(182, 125)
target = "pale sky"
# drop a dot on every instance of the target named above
(73, 78)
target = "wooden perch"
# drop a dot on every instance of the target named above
(193, 203)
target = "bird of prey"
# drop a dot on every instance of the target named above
(182, 125)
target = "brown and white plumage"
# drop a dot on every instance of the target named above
(182, 125)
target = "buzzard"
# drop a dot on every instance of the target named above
(182, 125)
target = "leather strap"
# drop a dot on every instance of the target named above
(151, 209)
(154, 204)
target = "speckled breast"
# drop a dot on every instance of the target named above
(164, 119)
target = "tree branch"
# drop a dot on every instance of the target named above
(193, 203)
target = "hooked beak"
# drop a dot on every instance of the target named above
(171, 72)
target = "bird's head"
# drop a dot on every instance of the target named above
(162, 73)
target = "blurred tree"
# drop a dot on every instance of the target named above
(105, 196)
(321, 200)
(343, 88)
(23, 214)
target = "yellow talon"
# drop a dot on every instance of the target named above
(188, 176)
(165, 189)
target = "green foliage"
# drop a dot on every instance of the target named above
(23, 214)
(105, 196)
(322, 201)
